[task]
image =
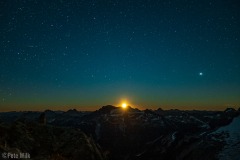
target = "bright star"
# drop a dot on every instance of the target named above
(200, 74)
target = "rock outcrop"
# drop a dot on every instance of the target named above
(42, 118)
(48, 142)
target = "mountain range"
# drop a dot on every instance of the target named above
(115, 133)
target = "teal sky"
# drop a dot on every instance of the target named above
(85, 54)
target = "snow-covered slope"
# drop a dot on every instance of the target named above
(231, 151)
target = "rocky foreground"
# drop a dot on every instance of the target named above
(47, 142)
(117, 134)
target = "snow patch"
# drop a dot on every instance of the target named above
(232, 149)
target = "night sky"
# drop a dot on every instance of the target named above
(83, 54)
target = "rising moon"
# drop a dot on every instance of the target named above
(124, 105)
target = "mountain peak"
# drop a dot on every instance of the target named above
(49, 111)
(229, 109)
(159, 109)
(72, 111)
(106, 109)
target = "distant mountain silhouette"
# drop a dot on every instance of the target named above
(106, 109)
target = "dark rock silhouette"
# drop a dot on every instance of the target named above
(42, 118)
(48, 142)
(106, 109)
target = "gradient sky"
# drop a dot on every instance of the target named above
(61, 54)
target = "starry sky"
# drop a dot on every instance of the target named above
(84, 54)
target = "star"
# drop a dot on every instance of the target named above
(200, 74)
